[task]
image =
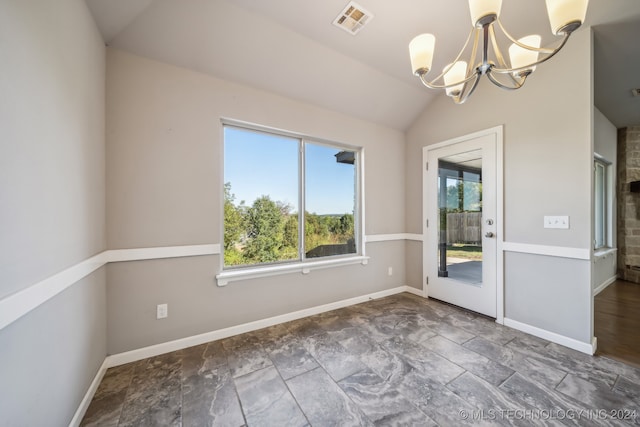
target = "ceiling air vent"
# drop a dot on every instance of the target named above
(352, 18)
(635, 92)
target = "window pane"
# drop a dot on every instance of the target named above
(460, 217)
(261, 197)
(330, 191)
(600, 205)
(472, 192)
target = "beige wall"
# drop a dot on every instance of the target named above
(52, 198)
(49, 357)
(52, 151)
(547, 171)
(164, 188)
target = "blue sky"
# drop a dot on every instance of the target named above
(259, 164)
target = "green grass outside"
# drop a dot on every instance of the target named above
(459, 250)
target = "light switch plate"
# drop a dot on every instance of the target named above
(556, 222)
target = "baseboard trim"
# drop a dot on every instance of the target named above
(88, 396)
(604, 285)
(179, 344)
(588, 348)
(414, 291)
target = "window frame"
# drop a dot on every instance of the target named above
(607, 200)
(302, 264)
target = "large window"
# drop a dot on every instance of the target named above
(601, 203)
(287, 199)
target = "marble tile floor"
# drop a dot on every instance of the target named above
(400, 360)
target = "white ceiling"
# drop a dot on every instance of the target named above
(617, 71)
(290, 47)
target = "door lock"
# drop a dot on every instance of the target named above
(489, 222)
(489, 234)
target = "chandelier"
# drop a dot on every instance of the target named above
(460, 78)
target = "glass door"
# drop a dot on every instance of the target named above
(460, 204)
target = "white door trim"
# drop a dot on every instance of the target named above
(499, 134)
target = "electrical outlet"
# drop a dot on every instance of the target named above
(556, 222)
(390, 271)
(162, 311)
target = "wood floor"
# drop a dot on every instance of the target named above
(396, 361)
(617, 322)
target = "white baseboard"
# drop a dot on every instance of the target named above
(179, 344)
(412, 290)
(553, 337)
(604, 285)
(86, 400)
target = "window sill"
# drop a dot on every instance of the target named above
(225, 277)
(603, 253)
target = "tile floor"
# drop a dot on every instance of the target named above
(401, 360)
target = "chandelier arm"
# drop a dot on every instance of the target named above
(474, 53)
(522, 45)
(496, 48)
(432, 85)
(517, 84)
(533, 64)
(461, 99)
(502, 63)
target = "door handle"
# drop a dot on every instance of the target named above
(489, 234)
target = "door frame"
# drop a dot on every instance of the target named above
(498, 132)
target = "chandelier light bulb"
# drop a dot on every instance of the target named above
(421, 51)
(484, 11)
(521, 57)
(562, 13)
(456, 73)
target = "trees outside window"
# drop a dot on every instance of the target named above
(287, 199)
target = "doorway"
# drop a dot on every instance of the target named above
(462, 194)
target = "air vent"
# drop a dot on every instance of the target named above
(635, 92)
(353, 18)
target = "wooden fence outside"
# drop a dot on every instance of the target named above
(464, 227)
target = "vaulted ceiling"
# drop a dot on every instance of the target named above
(290, 47)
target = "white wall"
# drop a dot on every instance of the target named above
(164, 188)
(547, 159)
(52, 198)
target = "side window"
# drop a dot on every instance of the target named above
(600, 200)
